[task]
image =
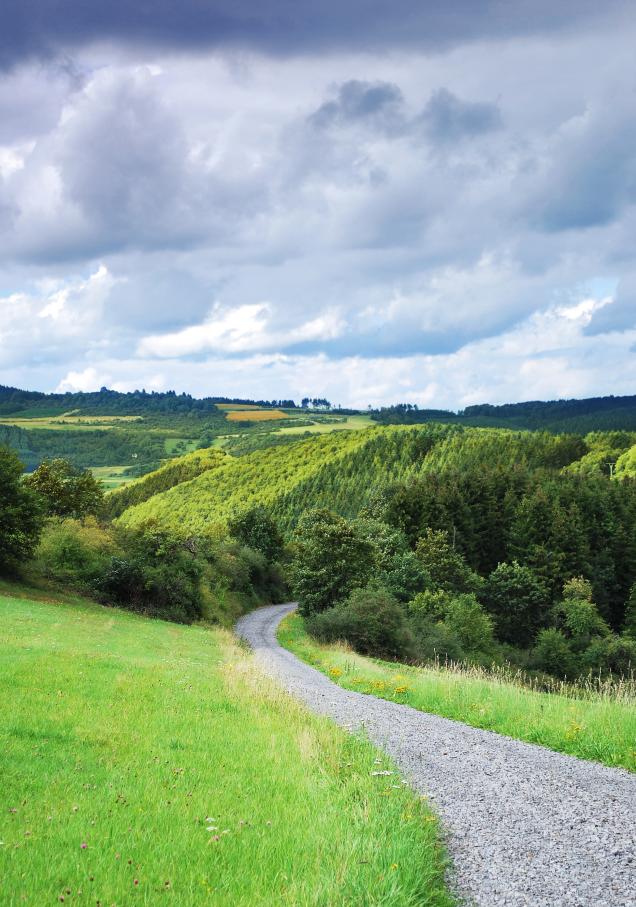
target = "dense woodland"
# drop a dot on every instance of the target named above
(580, 416)
(410, 541)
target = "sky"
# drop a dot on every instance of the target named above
(375, 202)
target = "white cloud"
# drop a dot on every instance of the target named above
(60, 321)
(240, 330)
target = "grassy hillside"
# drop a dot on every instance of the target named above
(600, 726)
(145, 762)
(341, 471)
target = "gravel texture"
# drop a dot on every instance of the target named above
(524, 825)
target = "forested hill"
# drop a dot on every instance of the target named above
(109, 402)
(556, 503)
(580, 416)
(104, 401)
(342, 471)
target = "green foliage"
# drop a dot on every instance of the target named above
(577, 615)
(444, 565)
(173, 473)
(66, 491)
(388, 542)
(630, 613)
(466, 618)
(21, 514)
(75, 553)
(155, 575)
(626, 464)
(256, 529)
(610, 654)
(404, 576)
(370, 620)
(451, 625)
(519, 602)
(330, 558)
(553, 654)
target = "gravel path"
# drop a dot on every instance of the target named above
(524, 825)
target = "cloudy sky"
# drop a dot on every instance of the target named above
(377, 202)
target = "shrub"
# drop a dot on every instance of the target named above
(466, 618)
(449, 625)
(434, 639)
(553, 654)
(577, 615)
(610, 654)
(404, 576)
(73, 552)
(370, 620)
(630, 613)
(159, 576)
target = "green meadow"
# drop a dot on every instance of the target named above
(595, 724)
(152, 763)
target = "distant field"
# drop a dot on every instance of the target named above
(349, 422)
(150, 763)
(112, 476)
(68, 423)
(227, 407)
(255, 415)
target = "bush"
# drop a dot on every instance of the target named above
(434, 639)
(610, 655)
(630, 613)
(75, 553)
(453, 626)
(466, 618)
(159, 576)
(404, 576)
(553, 654)
(21, 513)
(370, 620)
(577, 615)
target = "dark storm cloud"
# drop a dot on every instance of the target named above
(376, 103)
(44, 27)
(447, 119)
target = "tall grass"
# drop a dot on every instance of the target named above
(149, 763)
(595, 721)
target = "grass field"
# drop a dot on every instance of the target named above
(149, 763)
(112, 476)
(255, 415)
(348, 423)
(599, 727)
(229, 407)
(70, 422)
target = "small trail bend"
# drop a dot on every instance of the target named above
(525, 826)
